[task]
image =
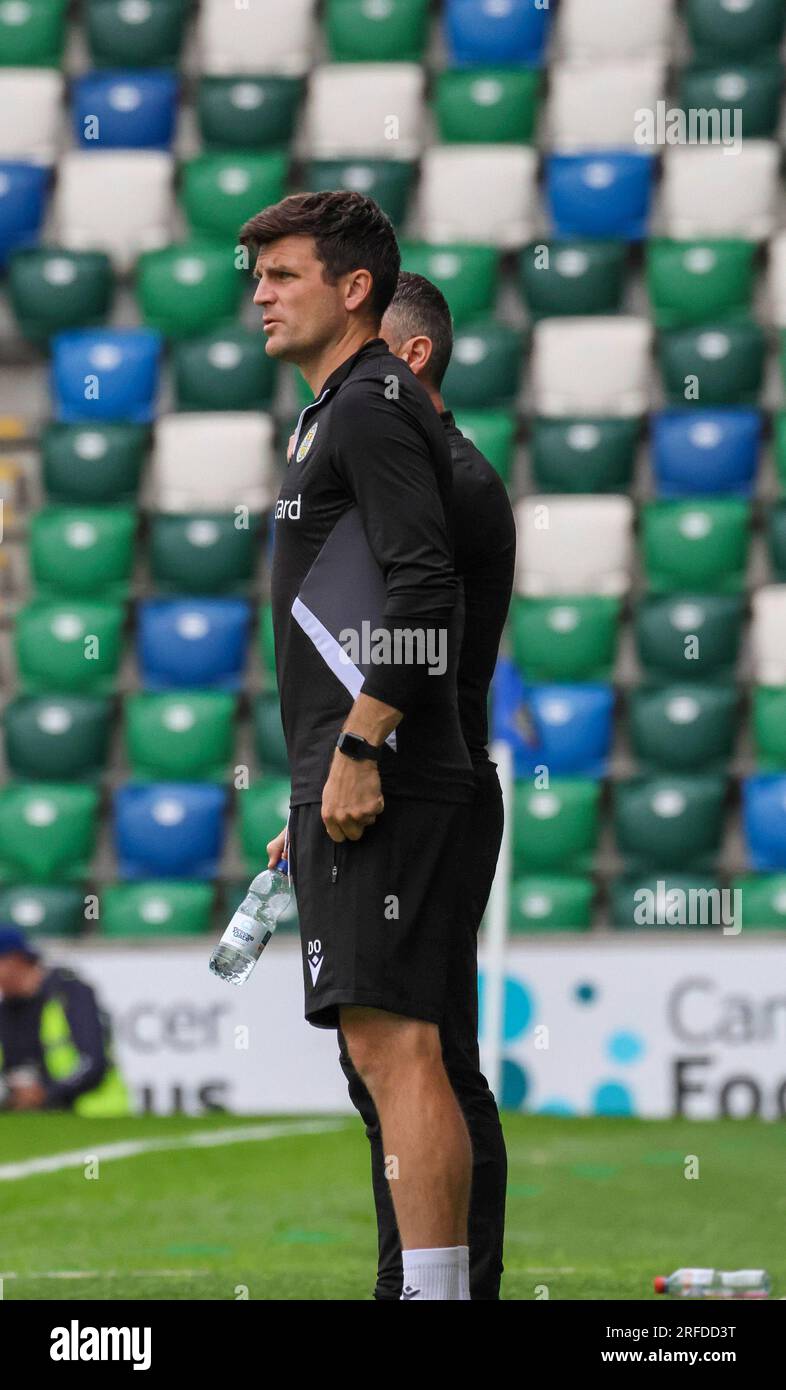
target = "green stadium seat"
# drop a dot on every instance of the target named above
(692, 281)
(700, 544)
(754, 89)
(51, 289)
(779, 442)
(584, 455)
(134, 35)
(763, 901)
(573, 277)
(550, 902)
(47, 831)
(267, 647)
(157, 908)
(221, 191)
(182, 736)
(95, 463)
(236, 892)
(565, 639)
(629, 908)
(262, 811)
(44, 909)
(466, 275)
(493, 105)
(776, 540)
(683, 728)
(32, 33)
(227, 369)
(688, 636)
(253, 112)
(674, 821)
(68, 646)
(720, 31)
(269, 738)
(493, 432)
(189, 288)
(555, 828)
(485, 369)
(203, 553)
(716, 364)
(387, 181)
(82, 552)
(376, 31)
(768, 727)
(57, 736)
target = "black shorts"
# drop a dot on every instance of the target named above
(377, 914)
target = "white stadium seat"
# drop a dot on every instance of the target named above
(593, 106)
(777, 279)
(598, 29)
(117, 201)
(592, 365)
(573, 545)
(710, 192)
(768, 635)
(213, 462)
(479, 193)
(30, 114)
(262, 36)
(365, 109)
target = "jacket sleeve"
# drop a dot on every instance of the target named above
(84, 1019)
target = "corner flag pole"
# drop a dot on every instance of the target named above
(496, 930)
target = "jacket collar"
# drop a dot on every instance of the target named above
(376, 347)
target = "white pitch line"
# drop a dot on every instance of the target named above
(108, 1274)
(130, 1148)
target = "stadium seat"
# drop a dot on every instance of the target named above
(138, 217)
(768, 635)
(573, 545)
(68, 646)
(485, 368)
(700, 545)
(369, 31)
(466, 275)
(248, 113)
(493, 432)
(156, 908)
(227, 369)
(573, 277)
(51, 289)
(32, 33)
(566, 728)
(683, 728)
(605, 194)
(691, 637)
(169, 829)
(555, 828)
(715, 364)
(189, 288)
(732, 29)
(763, 901)
(271, 748)
(595, 30)
(595, 106)
(387, 181)
(124, 110)
(565, 639)
(82, 552)
(262, 811)
(752, 89)
(185, 477)
(768, 727)
(487, 105)
(191, 643)
(706, 193)
(44, 909)
(203, 553)
(591, 366)
(695, 281)
(674, 821)
(221, 191)
(776, 540)
(550, 902)
(61, 737)
(764, 820)
(30, 114)
(22, 200)
(47, 831)
(702, 452)
(99, 463)
(483, 194)
(668, 894)
(276, 37)
(365, 110)
(583, 455)
(185, 737)
(487, 31)
(267, 647)
(105, 375)
(135, 33)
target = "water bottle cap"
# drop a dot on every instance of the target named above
(283, 866)
(659, 1283)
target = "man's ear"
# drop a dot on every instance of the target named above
(418, 351)
(358, 293)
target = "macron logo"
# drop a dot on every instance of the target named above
(289, 509)
(77, 1343)
(315, 967)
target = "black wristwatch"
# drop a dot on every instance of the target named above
(356, 747)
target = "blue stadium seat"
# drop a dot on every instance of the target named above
(169, 829)
(702, 452)
(764, 820)
(600, 195)
(567, 728)
(22, 198)
(105, 374)
(508, 32)
(125, 110)
(187, 643)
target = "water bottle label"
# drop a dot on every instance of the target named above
(246, 934)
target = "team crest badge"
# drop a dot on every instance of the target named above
(307, 442)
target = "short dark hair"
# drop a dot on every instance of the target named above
(421, 308)
(350, 232)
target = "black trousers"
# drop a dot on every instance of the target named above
(459, 1036)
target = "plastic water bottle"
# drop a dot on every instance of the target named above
(253, 925)
(715, 1283)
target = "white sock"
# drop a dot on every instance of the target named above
(439, 1273)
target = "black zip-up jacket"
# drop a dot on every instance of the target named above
(20, 1025)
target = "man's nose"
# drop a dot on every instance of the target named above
(263, 293)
